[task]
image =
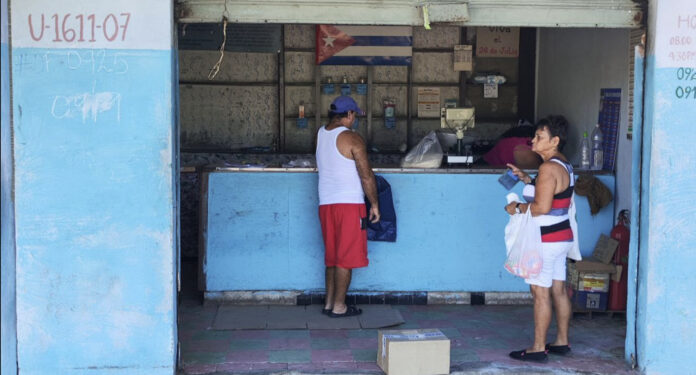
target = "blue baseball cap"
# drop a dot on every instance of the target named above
(343, 104)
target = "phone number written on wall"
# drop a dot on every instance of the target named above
(81, 28)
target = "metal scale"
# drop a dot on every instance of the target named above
(458, 119)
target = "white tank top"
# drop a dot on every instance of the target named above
(339, 181)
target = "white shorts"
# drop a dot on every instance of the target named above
(554, 264)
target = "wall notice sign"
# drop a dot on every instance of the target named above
(497, 41)
(462, 58)
(490, 90)
(428, 102)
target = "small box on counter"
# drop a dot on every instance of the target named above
(413, 352)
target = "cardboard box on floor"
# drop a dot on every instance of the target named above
(413, 352)
(592, 274)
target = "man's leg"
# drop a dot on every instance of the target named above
(330, 287)
(563, 311)
(341, 284)
(542, 316)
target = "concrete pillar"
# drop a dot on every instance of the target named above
(8, 351)
(94, 134)
(661, 315)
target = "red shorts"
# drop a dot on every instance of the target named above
(345, 243)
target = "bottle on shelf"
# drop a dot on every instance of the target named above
(585, 152)
(597, 148)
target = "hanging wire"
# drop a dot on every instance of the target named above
(216, 68)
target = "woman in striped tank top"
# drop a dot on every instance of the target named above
(549, 197)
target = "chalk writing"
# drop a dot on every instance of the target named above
(88, 105)
(89, 61)
(79, 28)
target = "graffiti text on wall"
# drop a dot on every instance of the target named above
(81, 28)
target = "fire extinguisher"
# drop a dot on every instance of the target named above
(618, 289)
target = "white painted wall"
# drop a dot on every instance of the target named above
(573, 65)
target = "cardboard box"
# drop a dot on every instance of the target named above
(604, 249)
(589, 276)
(592, 301)
(413, 352)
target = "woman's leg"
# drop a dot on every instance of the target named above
(542, 316)
(563, 311)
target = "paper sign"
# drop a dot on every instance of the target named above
(497, 41)
(428, 102)
(462, 58)
(490, 90)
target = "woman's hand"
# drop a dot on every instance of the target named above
(520, 173)
(510, 208)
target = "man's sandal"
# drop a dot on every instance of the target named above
(350, 311)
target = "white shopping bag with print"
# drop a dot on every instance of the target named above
(523, 243)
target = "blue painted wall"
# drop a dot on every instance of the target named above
(8, 351)
(636, 162)
(94, 135)
(665, 319)
(264, 234)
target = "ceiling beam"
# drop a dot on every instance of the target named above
(536, 13)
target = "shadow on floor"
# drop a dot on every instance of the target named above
(480, 336)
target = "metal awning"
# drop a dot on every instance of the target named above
(532, 13)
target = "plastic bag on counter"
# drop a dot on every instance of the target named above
(523, 243)
(299, 163)
(426, 154)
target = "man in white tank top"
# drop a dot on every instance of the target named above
(345, 178)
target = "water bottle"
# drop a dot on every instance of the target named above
(585, 152)
(597, 149)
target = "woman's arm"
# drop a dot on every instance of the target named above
(522, 175)
(543, 191)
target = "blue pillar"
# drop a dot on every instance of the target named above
(8, 351)
(665, 299)
(94, 138)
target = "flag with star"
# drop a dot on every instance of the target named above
(364, 45)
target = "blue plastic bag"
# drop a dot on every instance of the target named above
(385, 228)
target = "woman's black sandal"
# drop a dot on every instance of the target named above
(558, 349)
(523, 355)
(350, 311)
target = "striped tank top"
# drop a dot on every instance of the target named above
(555, 225)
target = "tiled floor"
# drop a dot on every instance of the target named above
(481, 337)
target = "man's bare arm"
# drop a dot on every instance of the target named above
(367, 177)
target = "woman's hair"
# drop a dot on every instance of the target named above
(557, 127)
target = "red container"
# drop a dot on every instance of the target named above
(618, 289)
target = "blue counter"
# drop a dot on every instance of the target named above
(261, 232)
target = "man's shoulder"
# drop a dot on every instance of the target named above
(352, 137)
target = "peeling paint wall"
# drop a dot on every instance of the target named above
(94, 149)
(664, 322)
(9, 302)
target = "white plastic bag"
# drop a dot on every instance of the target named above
(523, 243)
(426, 154)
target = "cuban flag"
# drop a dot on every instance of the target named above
(364, 45)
